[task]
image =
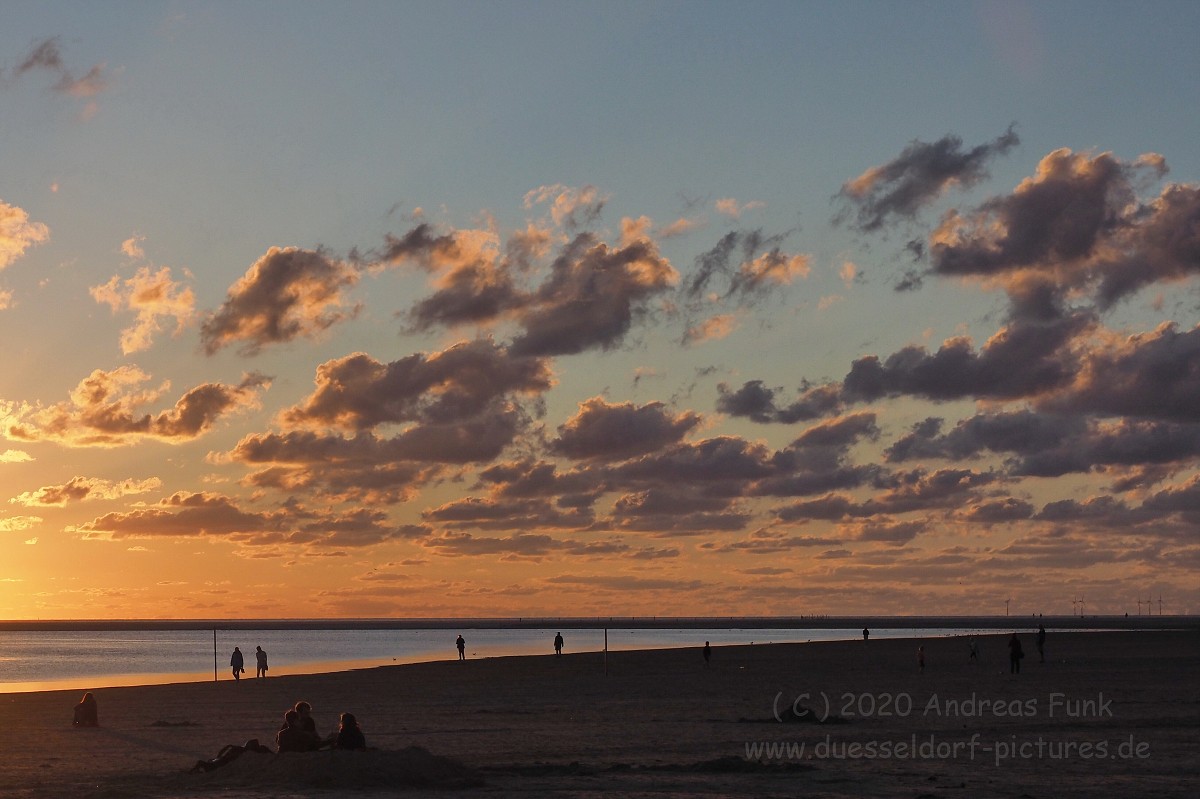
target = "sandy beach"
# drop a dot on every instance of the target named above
(1107, 714)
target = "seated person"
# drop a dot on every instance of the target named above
(306, 720)
(87, 713)
(349, 735)
(294, 738)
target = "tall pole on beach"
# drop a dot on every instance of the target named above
(214, 654)
(605, 651)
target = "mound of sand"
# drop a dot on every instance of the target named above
(413, 767)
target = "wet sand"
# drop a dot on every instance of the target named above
(1108, 714)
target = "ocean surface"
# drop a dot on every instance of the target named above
(42, 661)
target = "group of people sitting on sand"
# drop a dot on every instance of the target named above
(298, 734)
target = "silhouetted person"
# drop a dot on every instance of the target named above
(294, 738)
(1041, 643)
(707, 654)
(866, 633)
(1015, 653)
(921, 659)
(307, 722)
(237, 663)
(973, 647)
(349, 735)
(87, 714)
(462, 648)
(261, 657)
(558, 644)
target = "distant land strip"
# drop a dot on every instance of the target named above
(1075, 622)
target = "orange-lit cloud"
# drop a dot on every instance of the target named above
(17, 233)
(734, 210)
(711, 329)
(152, 296)
(105, 410)
(286, 294)
(79, 489)
(569, 207)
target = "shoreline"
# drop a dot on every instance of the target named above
(659, 722)
(342, 665)
(312, 668)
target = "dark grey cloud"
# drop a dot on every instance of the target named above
(467, 379)
(603, 431)
(591, 297)
(756, 402)
(902, 187)
(1021, 360)
(1079, 224)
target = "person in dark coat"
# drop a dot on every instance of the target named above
(261, 657)
(1015, 653)
(87, 713)
(237, 663)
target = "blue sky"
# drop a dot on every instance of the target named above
(163, 150)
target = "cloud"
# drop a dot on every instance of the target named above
(756, 402)
(17, 233)
(79, 489)
(15, 456)
(195, 515)
(592, 296)
(1077, 225)
(456, 407)
(711, 329)
(588, 297)
(46, 56)
(357, 392)
(901, 188)
(734, 210)
(132, 247)
(600, 431)
(152, 296)
(105, 411)
(286, 294)
(14, 524)
(748, 263)
(569, 207)
(524, 545)
(1023, 359)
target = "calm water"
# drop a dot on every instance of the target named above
(35, 661)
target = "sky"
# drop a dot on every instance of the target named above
(409, 309)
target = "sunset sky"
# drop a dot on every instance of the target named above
(498, 309)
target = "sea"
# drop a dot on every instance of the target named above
(85, 660)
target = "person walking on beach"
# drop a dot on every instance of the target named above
(707, 654)
(462, 648)
(1015, 653)
(866, 633)
(237, 663)
(558, 645)
(1041, 643)
(973, 648)
(261, 657)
